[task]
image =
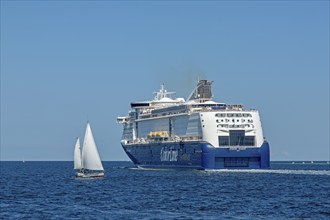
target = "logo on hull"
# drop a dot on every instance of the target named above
(169, 154)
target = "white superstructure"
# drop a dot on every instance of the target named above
(193, 119)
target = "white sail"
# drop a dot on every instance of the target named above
(77, 156)
(90, 156)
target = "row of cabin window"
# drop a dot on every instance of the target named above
(234, 126)
(233, 120)
(230, 115)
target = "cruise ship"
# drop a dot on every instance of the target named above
(196, 133)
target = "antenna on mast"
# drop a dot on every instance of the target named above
(162, 93)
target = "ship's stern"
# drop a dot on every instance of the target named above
(236, 157)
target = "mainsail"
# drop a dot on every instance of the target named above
(90, 156)
(77, 156)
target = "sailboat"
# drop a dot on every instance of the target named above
(87, 161)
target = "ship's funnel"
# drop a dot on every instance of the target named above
(202, 92)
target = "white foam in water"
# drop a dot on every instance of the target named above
(303, 172)
(149, 168)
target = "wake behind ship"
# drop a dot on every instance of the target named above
(198, 133)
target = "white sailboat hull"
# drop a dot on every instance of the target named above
(90, 175)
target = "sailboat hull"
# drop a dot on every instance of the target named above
(90, 175)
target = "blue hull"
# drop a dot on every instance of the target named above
(197, 155)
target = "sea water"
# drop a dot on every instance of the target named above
(49, 190)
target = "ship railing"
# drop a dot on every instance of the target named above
(145, 115)
(217, 109)
(239, 147)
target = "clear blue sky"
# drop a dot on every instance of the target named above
(63, 63)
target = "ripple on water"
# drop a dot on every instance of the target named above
(287, 191)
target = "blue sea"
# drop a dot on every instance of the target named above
(49, 190)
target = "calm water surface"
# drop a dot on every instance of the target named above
(48, 190)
